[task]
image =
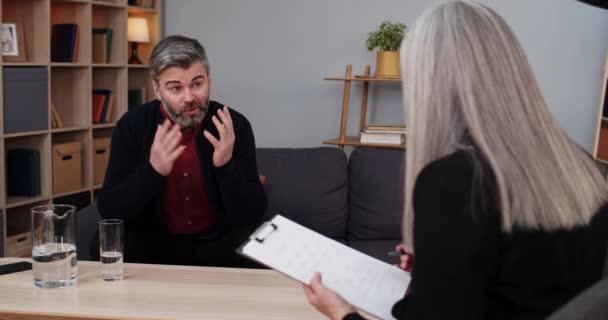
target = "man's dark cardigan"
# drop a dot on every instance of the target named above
(134, 191)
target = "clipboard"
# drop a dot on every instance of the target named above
(298, 252)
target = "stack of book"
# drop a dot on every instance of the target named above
(383, 134)
(103, 105)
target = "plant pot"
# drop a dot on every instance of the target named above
(387, 64)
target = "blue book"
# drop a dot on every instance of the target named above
(64, 42)
(23, 172)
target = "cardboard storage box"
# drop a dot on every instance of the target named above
(19, 245)
(67, 167)
(101, 155)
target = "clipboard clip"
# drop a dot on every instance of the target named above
(263, 231)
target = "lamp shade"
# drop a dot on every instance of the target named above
(137, 30)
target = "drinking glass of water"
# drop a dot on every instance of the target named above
(54, 246)
(111, 237)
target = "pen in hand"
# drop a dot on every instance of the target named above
(406, 257)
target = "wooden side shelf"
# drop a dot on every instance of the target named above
(343, 140)
(600, 146)
(363, 78)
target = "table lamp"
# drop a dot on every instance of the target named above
(137, 32)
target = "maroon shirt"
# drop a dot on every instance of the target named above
(187, 208)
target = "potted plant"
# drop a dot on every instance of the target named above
(387, 38)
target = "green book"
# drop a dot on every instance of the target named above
(135, 98)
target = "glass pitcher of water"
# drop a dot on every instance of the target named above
(54, 246)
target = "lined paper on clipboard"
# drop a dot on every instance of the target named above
(298, 252)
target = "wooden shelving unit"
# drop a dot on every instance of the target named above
(70, 91)
(366, 78)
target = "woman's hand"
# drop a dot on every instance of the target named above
(406, 259)
(326, 300)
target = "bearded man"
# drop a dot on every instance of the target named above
(182, 172)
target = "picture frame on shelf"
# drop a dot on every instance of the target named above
(13, 41)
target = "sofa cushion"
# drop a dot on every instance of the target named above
(308, 186)
(378, 249)
(376, 193)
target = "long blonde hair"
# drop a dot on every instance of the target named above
(466, 75)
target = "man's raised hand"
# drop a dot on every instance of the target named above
(166, 147)
(223, 147)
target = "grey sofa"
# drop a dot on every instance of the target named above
(357, 201)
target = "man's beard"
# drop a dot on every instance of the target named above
(185, 122)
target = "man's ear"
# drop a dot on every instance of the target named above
(156, 89)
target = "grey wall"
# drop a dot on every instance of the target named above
(268, 59)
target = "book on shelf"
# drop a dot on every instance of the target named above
(107, 118)
(64, 42)
(136, 97)
(102, 45)
(23, 172)
(99, 48)
(372, 128)
(383, 138)
(53, 123)
(101, 101)
(55, 118)
(142, 3)
(98, 102)
(76, 42)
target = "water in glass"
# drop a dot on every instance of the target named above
(111, 265)
(54, 265)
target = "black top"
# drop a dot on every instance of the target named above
(467, 268)
(134, 191)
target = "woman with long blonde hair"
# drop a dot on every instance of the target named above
(506, 214)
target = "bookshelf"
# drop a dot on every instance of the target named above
(600, 145)
(68, 87)
(366, 78)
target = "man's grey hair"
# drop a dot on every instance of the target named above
(176, 51)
